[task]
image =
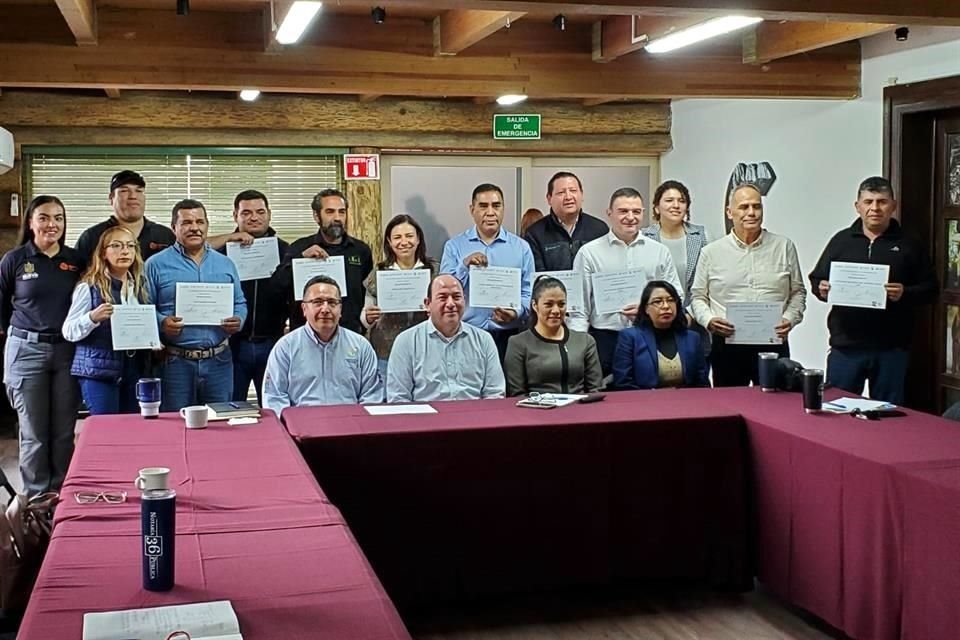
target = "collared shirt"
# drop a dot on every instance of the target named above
(35, 289)
(768, 270)
(506, 250)
(425, 365)
(554, 247)
(358, 263)
(173, 265)
(305, 371)
(610, 254)
(153, 238)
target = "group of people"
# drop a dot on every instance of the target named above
(331, 343)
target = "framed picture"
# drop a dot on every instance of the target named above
(952, 253)
(953, 340)
(953, 170)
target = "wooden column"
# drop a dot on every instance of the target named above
(366, 216)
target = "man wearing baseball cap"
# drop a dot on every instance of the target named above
(128, 199)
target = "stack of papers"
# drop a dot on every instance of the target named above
(203, 621)
(550, 400)
(849, 405)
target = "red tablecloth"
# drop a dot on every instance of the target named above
(836, 535)
(485, 497)
(253, 528)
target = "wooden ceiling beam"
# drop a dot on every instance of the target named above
(368, 97)
(620, 35)
(112, 92)
(775, 40)
(457, 30)
(931, 12)
(81, 17)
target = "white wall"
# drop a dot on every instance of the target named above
(820, 151)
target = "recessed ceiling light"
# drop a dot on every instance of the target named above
(298, 18)
(511, 98)
(700, 32)
(250, 94)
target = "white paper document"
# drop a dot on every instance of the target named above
(849, 405)
(545, 400)
(858, 284)
(203, 621)
(204, 303)
(754, 322)
(306, 268)
(573, 281)
(492, 287)
(134, 326)
(398, 409)
(255, 261)
(614, 291)
(401, 290)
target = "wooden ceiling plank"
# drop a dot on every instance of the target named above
(930, 12)
(457, 30)
(368, 97)
(620, 35)
(81, 17)
(774, 40)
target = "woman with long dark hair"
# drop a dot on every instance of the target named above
(549, 357)
(108, 378)
(659, 350)
(403, 248)
(37, 279)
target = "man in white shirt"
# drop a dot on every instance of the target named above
(444, 358)
(749, 264)
(623, 248)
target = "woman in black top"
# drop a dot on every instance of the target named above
(37, 279)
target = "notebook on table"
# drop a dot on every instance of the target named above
(235, 409)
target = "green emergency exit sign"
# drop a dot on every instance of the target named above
(516, 126)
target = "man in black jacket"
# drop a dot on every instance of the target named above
(873, 344)
(267, 309)
(557, 237)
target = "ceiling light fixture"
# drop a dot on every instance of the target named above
(299, 17)
(379, 15)
(902, 33)
(183, 7)
(510, 99)
(560, 22)
(249, 95)
(699, 32)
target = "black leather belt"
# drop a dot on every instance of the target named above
(199, 354)
(33, 336)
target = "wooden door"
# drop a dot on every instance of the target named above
(946, 220)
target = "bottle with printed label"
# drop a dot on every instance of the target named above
(158, 525)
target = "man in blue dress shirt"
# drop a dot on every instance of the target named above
(321, 362)
(443, 358)
(199, 367)
(487, 243)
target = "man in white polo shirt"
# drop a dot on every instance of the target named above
(623, 248)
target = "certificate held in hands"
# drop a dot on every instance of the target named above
(256, 261)
(204, 303)
(400, 290)
(306, 268)
(614, 291)
(858, 284)
(754, 322)
(134, 326)
(492, 287)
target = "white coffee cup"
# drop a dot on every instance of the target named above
(152, 478)
(195, 416)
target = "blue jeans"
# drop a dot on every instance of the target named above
(249, 364)
(104, 397)
(886, 369)
(189, 382)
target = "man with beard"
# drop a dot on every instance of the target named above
(199, 367)
(321, 363)
(330, 212)
(128, 200)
